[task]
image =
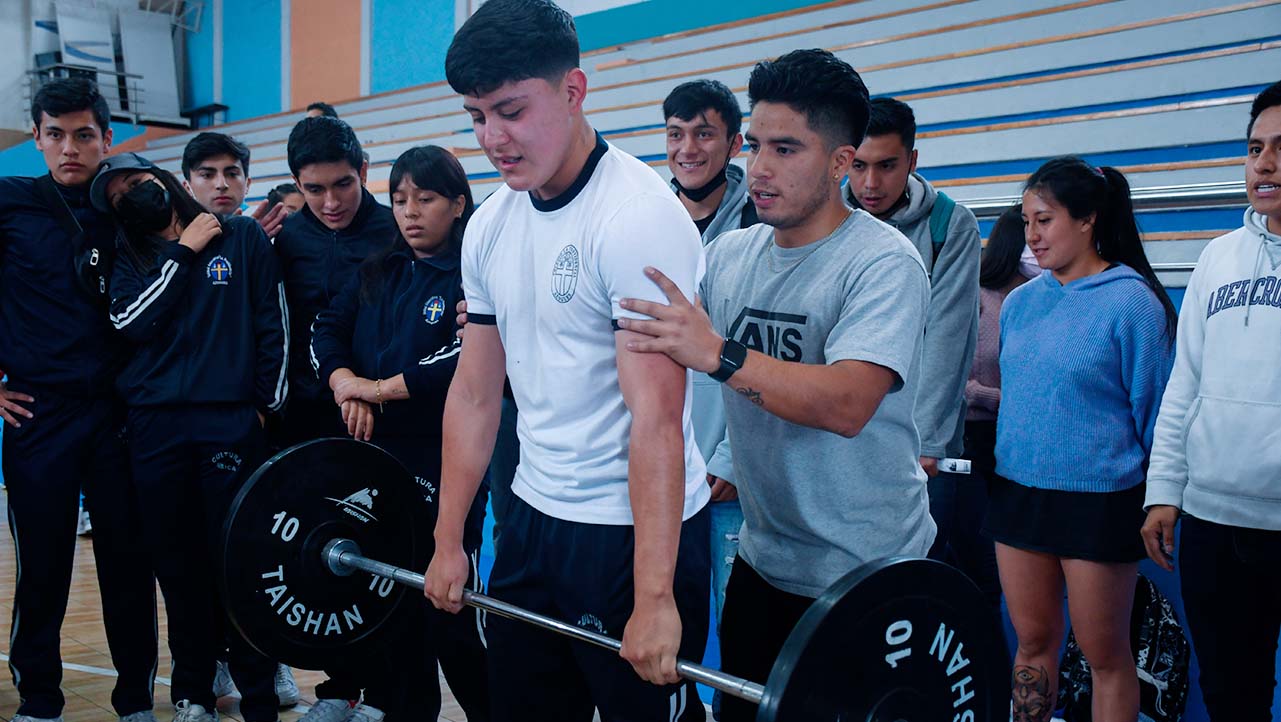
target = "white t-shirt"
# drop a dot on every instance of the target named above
(551, 278)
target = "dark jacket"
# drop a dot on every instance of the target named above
(405, 326)
(51, 333)
(317, 263)
(208, 327)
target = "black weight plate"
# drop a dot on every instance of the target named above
(899, 640)
(280, 595)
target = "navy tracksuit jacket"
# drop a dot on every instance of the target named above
(317, 263)
(210, 341)
(57, 346)
(407, 325)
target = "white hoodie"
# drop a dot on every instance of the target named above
(1217, 447)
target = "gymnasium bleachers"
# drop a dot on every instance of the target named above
(1160, 90)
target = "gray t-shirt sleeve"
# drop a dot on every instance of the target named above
(882, 318)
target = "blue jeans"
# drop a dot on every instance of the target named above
(726, 521)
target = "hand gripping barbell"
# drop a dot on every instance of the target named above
(900, 640)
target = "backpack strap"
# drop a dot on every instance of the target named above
(940, 218)
(57, 205)
(92, 263)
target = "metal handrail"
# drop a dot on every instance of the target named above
(1224, 194)
(129, 106)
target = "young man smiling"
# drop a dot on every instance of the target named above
(813, 324)
(65, 422)
(609, 527)
(704, 124)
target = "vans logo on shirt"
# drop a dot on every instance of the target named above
(1264, 291)
(770, 332)
(565, 274)
(219, 271)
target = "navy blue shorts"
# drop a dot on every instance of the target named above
(582, 574)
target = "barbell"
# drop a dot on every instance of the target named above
(898, 640)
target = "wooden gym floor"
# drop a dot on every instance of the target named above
(87, 674)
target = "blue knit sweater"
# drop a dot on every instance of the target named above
(1083, 366)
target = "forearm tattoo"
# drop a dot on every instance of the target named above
(752, 395)
(1031, 695)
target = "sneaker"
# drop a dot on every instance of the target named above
(84, 527)
(223, 685)
(286, 688)
(329, 710)
(188, 712)
(144, 716)
(365, 713)
(29, 718)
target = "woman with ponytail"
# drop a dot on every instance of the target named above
(1086, 349)
(387, 347)
(201, 303)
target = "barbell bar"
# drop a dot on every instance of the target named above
(343, 557)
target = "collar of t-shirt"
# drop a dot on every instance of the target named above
(570, 193)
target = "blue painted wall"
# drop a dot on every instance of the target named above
(251, 69)
(198, 78)
(408, 40)
(659, 17)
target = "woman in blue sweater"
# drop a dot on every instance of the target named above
(1086, 349)
(387, 347)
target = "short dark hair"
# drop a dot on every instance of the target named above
(323, 140)
(1270, 97)
(829, 92)
(697, 96)
(508, 41)
(275, 195)
(70, 95)
(892, 116)
(325, 109)
(210, 145)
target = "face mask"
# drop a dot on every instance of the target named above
(698, 194)
(1027, 263)
(145, 209)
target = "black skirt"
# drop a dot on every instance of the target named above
(1095, 526)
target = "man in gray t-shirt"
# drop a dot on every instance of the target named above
(814, 322)
(817, 504)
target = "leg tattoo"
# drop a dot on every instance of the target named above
(1031, 695)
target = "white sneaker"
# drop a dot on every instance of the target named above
(365, 713)
(188, 712)
(84, 527)
(223, 684)
(286, 687)
(329, 710)
(28, 718)
(144, 716)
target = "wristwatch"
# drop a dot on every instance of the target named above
(733, 354)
